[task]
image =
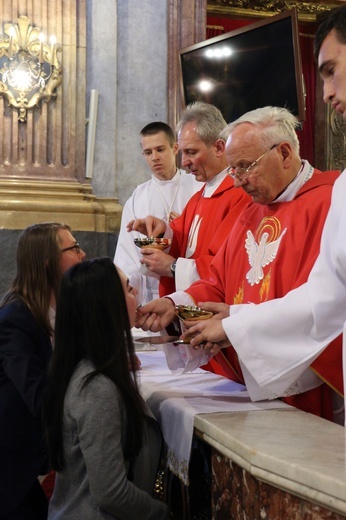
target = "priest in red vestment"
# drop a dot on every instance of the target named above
(198, 233)
(272, 246)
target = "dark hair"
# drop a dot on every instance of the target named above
(92, 323)
(38, 270)
(336, 19)
(156, 127)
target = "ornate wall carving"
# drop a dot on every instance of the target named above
(42, 161)
(307, 10)
(336, 143)
(51, 144)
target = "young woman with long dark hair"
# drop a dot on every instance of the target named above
(103, 446)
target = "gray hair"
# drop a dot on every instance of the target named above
(209, 121)
(277, 123)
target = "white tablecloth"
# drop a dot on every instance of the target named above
(176, 399)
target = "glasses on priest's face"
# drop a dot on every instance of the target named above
(76, 247)
(241, 173)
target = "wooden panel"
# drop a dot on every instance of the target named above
(186, 26)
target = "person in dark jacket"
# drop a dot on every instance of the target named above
(27, 314)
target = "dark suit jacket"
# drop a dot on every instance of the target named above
(25, 351)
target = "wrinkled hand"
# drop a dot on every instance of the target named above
(149, 226)
(157, 261)
(206, 334)
(155, 315)
(220, 310)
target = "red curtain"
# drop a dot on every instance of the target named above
(214, 30)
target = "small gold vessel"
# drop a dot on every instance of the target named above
(192, 313)
(156, 243)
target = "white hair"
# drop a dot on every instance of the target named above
(277, 124)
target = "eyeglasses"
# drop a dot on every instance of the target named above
(240, 173)
(76, 246)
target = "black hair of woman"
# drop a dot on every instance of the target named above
(92, 323)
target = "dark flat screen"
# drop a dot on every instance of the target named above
(248, 68)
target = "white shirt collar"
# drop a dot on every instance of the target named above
(212, 185)
(305, 173)
(174, 179)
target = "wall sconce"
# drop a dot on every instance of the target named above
(29, 67)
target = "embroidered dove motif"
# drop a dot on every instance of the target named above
(260, 254)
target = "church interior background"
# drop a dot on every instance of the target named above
(105, 51)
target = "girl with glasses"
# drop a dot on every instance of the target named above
(26, 327)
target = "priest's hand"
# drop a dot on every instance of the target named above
(157, 261)
(149, 226)
(206, 334)
(220, 310)
(155, 315)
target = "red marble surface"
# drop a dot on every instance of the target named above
(236, 495)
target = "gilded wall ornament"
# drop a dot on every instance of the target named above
(336, 144)
(306, 10)
(29, 67)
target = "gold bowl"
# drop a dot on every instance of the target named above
(192, 313)
(156, 243)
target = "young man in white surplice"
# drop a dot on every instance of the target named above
(164, 195)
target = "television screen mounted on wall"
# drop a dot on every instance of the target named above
(248, 68)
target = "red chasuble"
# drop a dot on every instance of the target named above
(203, 227)
(269, 252)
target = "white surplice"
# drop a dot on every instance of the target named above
(277, 341)
(147, 200)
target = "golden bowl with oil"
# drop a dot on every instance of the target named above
(156, 243)
(192, 313)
